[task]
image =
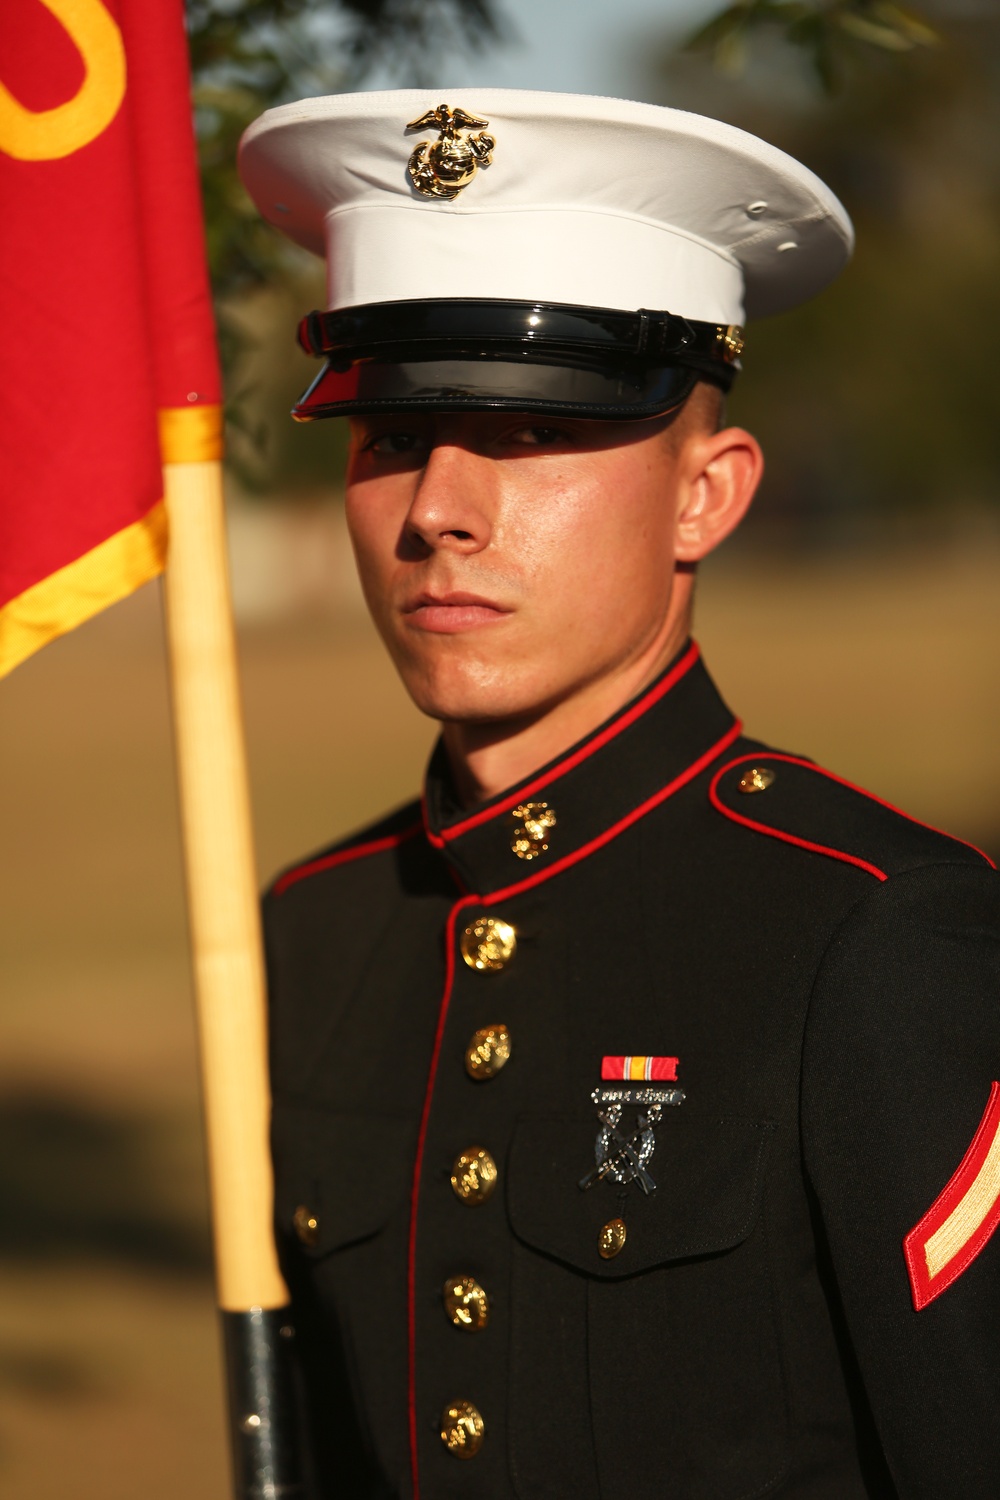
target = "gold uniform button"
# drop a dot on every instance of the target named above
(466, 1304)
(306, 1225)
(611, 1240)
(757, 779)
(488, 944)
(462, 1429)
(487, 1052)
(474, 1175)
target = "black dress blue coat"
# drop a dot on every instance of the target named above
(825, 970)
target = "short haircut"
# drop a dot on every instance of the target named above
(703, 411)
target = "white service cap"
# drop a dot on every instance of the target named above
(511, 197)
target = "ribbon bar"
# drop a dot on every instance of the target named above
(635, 1069)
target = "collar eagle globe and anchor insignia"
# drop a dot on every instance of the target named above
(442, 168)
(532, 822)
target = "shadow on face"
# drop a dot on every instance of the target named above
(409, 436)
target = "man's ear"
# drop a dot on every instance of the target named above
(719, 477)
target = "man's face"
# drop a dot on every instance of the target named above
(510, 561)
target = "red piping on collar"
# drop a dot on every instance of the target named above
(449, 980)
(671, 787)
(570, 762)
(342, 857)
(429, 834)
(790, 838)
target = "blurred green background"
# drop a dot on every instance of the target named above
(854, 619)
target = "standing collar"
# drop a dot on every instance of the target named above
(578, 802)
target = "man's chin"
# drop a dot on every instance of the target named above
(484, 695)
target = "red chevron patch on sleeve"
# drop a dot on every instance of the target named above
(963, 1217)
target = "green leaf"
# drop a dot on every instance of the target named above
(909, 24)
(730, 53)
(823, 31)
(890, 38)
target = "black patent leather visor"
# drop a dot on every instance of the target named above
(459, 354)
(477, 384)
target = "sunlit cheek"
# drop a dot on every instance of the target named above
(598, 559)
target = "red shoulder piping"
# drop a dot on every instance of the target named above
(570, 762)
(790, 838)
(343, 857)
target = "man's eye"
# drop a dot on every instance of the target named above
(540, 437)
(393, 444)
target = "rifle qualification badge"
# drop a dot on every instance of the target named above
(442, 168)
(623, 1156)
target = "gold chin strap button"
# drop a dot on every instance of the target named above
(611, 1240)
(757, 779)
(487, 1052)
(474, 1175)
(488, 944)
(532, 821)
(732, 339)
(306, 1225)
(466, 1304)
(462, 1429)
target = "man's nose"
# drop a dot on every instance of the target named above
(453, 505)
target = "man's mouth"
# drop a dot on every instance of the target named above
(448, 613)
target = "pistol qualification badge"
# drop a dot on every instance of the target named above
(442, 168)
(623, 1156)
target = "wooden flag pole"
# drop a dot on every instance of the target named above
(228, 965)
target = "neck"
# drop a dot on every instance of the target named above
(486, 759)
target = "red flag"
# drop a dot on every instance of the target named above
(108, 364)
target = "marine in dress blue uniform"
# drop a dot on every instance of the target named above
(636, 1129)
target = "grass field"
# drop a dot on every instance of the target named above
(885, 669)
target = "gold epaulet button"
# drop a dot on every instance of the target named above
(757, 779)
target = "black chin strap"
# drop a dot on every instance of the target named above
(474, 328)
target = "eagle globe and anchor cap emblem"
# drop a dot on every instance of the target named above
(442, 168)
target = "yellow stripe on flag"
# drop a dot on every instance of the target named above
(83, 588)
(190, 434)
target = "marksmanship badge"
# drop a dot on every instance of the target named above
(442, 168)
(623, 1156)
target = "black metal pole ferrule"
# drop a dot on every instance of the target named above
(262, 1421)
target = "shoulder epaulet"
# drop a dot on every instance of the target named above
(789, 798)
(388, 833)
